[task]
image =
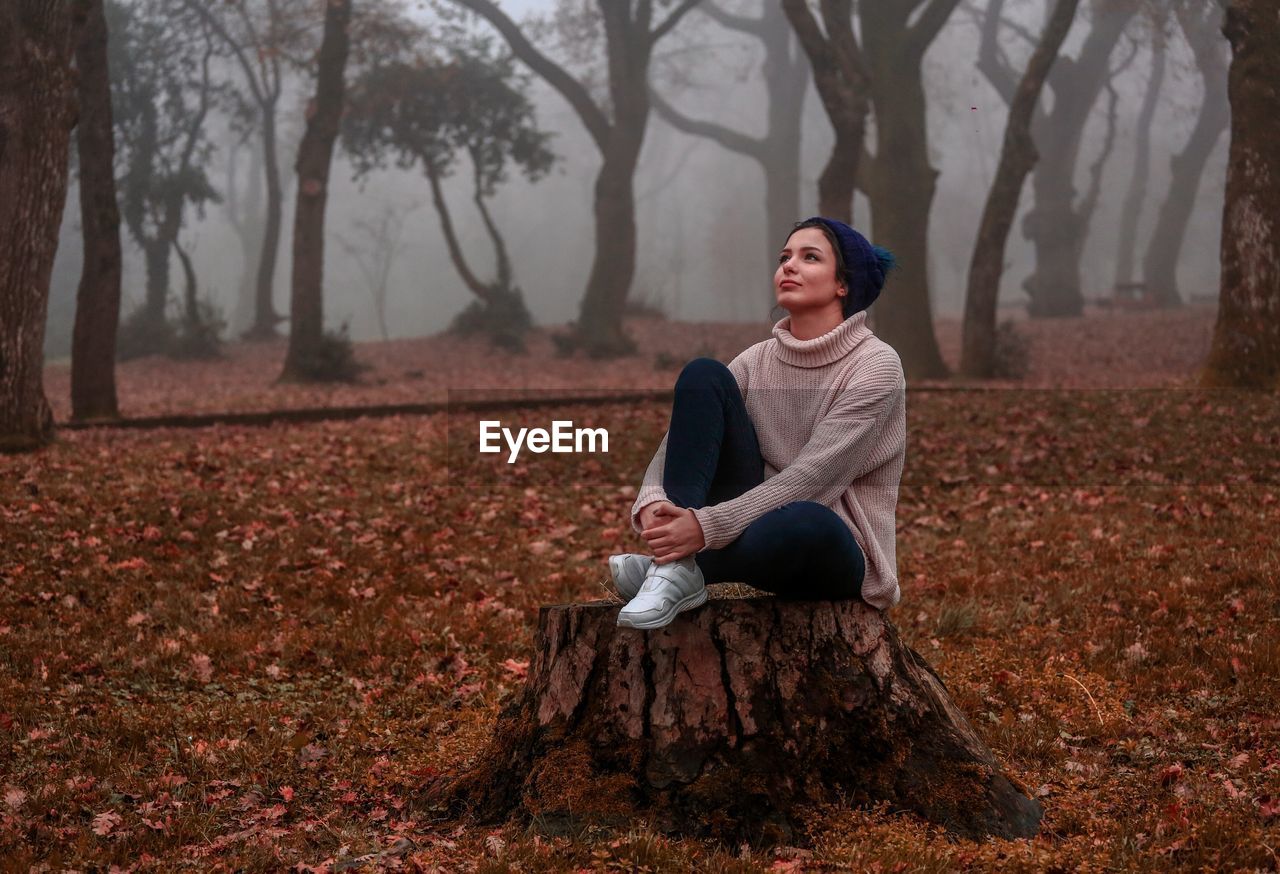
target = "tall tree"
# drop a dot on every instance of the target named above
(1136, 195)
(1246, 339)
(1201, 23)
(901, 181)
(777, 151)
(242, 203)
(1017, 157)
(260, 34)
(430, 114)
(1055, 224)
(37, 111)
(93, 346)
(378, 243)
(881, 66)
(163, 92)
(315, 156)
(840, 78)
(618, 132)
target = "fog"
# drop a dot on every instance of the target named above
(702, 247)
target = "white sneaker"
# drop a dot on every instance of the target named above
(628, 571)
(667, 590)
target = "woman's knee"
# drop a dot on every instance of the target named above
(816, 524)
(704, 373)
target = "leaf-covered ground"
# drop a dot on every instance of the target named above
(1116, 350)
(249, 649)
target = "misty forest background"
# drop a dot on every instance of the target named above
(706, 234)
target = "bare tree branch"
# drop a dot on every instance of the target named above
(251, 78)
(743, 23)
(991, 61)
(929, 23)
(671, 20)
(593, 118)
(726, 137)
(837, 18)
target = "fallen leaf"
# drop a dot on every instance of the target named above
(104, 822)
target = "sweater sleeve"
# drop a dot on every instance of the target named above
(838, 452)
(651, 490)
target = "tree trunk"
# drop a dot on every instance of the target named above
(315, 157)
(901, 189)
(722, 723)
(841, 83)
(786, 71)
(1137, 194)
(599, 330)
(1054, 226)
(156, 256)
(1160, 268)
(473, 283)
(246, 219)
(1246, 339)
(265, 317)
(191, 292)
(37, 112)
(93, 345)
(1017, 157)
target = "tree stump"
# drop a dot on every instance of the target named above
(720, 724)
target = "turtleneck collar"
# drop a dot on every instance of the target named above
(820, 351)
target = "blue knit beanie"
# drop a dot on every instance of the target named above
(865, 265)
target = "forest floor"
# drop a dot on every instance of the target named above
(250, 648)
(1134, 349)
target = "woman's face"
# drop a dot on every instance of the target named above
(806, 274)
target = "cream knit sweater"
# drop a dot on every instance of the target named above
(830, 417)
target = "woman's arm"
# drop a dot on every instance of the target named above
(852, 439)
(651, 490)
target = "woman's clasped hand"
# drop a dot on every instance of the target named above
(672, 532)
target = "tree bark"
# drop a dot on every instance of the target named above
(93, 345)
(840, 78)
(265, 317)
(155, 253)
(1246, 339)
(1054, 225)
(722, 723)
(1017, 157)
(1160, 268)
(246, 219)
(599, 329)
(1137, 194)
(37, 112)
(902, 181)
(473, 283)
(191, 292)
(315, 157)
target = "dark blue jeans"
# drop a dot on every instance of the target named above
(800, 550)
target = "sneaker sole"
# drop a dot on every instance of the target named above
(697, 599)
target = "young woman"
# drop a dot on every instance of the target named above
(781, 470)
